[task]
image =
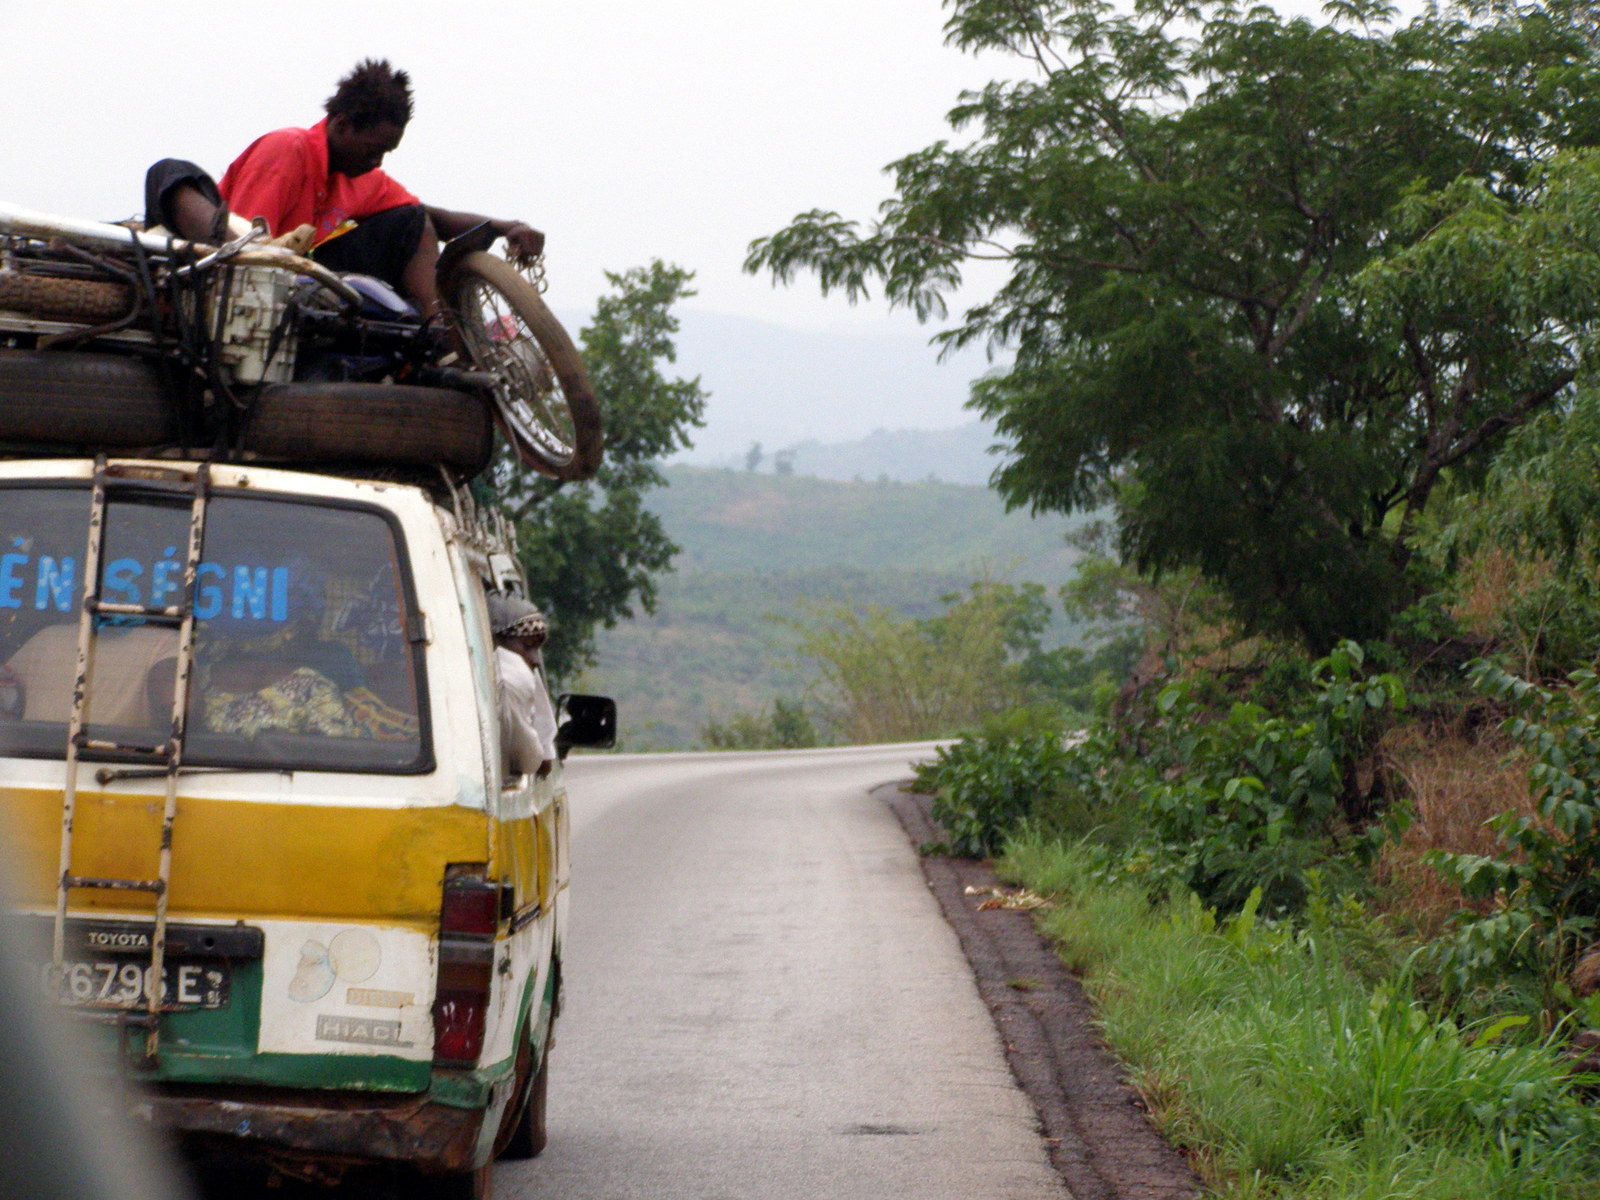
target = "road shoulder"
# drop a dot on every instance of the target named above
(1095, 1126)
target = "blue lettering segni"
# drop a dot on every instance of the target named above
(280, 593)
(121, 582)
(166, 578)
(208, 595)
(54, 583)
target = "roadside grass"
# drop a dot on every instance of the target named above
(1295, 1062)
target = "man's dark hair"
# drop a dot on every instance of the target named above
(374, 92)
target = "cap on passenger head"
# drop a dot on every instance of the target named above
(512, 616)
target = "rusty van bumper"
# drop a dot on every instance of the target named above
(322, 1127)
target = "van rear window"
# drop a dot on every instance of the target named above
(302, 614)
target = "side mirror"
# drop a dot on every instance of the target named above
(587, 721)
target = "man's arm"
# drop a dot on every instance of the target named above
(193, 215)
(523, 747)
(524, 239)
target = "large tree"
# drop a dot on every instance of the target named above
(592, 550)
(1196, 203)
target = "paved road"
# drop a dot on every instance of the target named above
(763, 1000)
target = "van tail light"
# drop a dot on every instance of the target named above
(467, 920)
(471, 909)
(460, 1013)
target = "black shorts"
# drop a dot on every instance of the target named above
(380, 245)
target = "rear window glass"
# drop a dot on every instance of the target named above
(302, 659)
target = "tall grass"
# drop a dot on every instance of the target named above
(1454, 784)
(1295, 1063)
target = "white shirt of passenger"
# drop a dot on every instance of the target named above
(544, 712)
(522, 748)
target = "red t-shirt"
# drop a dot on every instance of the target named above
(283, 177)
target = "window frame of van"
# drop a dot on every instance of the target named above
(424, 763)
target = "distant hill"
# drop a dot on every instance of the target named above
(951, 455)
(958, 455)
(779, 386)
(740, 520)
(761, 550)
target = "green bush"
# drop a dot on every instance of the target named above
(1250, 799)
(1219, 805)
(987, 784)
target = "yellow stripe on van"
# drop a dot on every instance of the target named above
(246, 859)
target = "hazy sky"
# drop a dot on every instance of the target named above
(626, 129)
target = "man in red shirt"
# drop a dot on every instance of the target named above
(330, 177)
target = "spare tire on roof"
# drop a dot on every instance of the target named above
(83, 401)
(368, 423)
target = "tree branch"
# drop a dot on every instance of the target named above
(1303, 307)
(1425, 372)
(1438, 458)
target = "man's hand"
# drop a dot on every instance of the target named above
(524, 240)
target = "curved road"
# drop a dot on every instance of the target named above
(763, 999)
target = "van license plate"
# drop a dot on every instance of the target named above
(126, 983)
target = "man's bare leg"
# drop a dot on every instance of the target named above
(420, 281)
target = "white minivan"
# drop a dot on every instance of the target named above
(339, 942)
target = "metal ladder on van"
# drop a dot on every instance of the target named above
(167, 754)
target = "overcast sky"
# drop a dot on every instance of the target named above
(626, 129)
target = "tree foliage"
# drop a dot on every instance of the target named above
(591, 550)
(783, 725)
(1268, 279)
(889, 678)
(1524, 551)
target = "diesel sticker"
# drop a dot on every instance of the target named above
(359, 1031)
(378, 998)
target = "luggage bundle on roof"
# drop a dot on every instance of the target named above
(113, 338)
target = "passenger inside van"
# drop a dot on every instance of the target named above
(130, 684)
(286, 678)
(303, 632)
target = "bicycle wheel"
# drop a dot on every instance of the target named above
(542, 395)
